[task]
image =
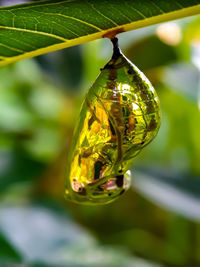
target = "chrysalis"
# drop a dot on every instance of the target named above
(119, 116)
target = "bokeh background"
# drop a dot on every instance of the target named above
(157, 222)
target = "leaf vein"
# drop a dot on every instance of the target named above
(155, 5)
(100, 13)
(72, 18)
(20, 42)
(54, 22)
(12, 48)
(178, 4)
(137, 11)
(35, 32)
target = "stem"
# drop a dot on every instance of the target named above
(116, 50)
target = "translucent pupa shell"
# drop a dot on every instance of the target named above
(119, 116)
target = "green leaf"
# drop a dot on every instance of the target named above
(36, 28)
(7, 252)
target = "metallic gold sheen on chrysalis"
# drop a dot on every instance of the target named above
(119, 116)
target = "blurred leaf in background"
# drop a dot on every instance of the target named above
(157, 223)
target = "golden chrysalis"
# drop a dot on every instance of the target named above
(119, 116)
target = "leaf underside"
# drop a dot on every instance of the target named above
(36, 28)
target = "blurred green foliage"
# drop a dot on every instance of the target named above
(157, 222)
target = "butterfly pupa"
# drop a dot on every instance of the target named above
(119, 116)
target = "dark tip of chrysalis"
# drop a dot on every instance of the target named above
(116, 53)
(116, 50)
